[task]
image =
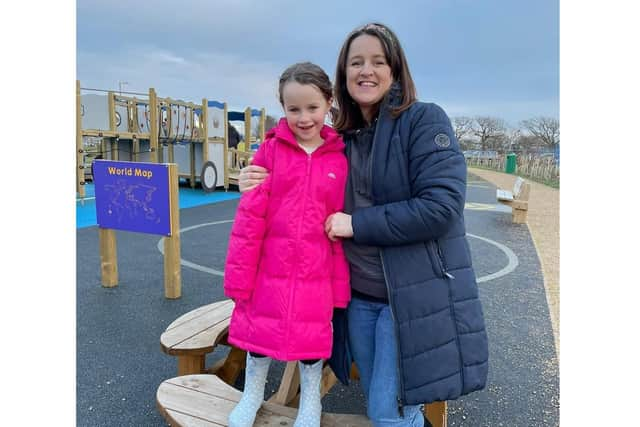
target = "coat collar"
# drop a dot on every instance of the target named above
(393, 98)
(332, 140)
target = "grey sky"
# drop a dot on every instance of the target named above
(493, 57)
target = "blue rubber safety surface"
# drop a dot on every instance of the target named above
(187, 198)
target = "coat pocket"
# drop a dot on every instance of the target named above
(437, 260)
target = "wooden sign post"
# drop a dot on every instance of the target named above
(108, 257)
(172, 278)
(139, 197)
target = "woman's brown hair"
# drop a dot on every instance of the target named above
(348, 115)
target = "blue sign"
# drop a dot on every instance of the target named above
(132, 196)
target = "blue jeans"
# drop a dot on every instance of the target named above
(373, 347)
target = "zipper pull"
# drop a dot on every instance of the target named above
(449, 275)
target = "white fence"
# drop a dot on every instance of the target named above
(540, 168)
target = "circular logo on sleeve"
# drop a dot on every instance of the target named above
(442, 140)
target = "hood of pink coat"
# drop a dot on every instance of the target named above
(332, 139)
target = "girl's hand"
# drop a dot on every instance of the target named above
(250, 177)
(338, 225)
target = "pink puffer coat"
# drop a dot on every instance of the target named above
(282, 270)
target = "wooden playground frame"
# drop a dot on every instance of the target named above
(160, 137)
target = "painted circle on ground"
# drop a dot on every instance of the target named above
(193, 265)
(512, 258)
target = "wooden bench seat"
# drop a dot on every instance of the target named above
(518, 200)
(195, 334)
(206, 400)
(197, 397)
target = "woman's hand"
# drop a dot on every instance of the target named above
(338, 225)
(250, 177)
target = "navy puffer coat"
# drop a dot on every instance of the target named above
(418, 189)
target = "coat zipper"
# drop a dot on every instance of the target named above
(395, 325)
(292, 287)
(399, 392)
(440, 259)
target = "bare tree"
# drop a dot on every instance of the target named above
(547, 129)
(490, 130)
(462, 127)
(466, 144)
(512, 136)
(528, 143)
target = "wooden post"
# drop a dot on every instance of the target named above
(153, 129)
(231, 366)
(188, 364)
(114, 148)
(102, 147)
(192, 146)
(135, 120)
(172, 278)
(111, 99)
(225, 149)
(204, 119)
(247, 129)
(289, 385)
(108, 257)
(436, 413)
(79, 144)
(112, 111)
(262, 120)
(135, 145)
(170, 146)
(192, 163)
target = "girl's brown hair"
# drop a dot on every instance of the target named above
(348, 115)
(306, 73)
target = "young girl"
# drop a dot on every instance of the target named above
(282, 271)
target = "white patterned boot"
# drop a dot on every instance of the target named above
(310, 405)
(255, 378)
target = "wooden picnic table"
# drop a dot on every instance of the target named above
(197, 333)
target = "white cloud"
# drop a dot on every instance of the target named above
(232, 78)
(164, 56)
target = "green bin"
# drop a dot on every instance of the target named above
(510, 164)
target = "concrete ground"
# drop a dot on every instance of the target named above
(120, 364)
(543, 221)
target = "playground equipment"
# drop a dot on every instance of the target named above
(152, 129)
(240, 156)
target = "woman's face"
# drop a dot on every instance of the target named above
(368, 73)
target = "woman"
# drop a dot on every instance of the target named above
(415, 324)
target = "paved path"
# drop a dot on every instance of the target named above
(544, 223)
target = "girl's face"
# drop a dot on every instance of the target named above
(368, 73)
(305, 108)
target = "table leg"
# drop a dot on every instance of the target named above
(436, 413)
(190, 364)
(233, 364)
(289, 386)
